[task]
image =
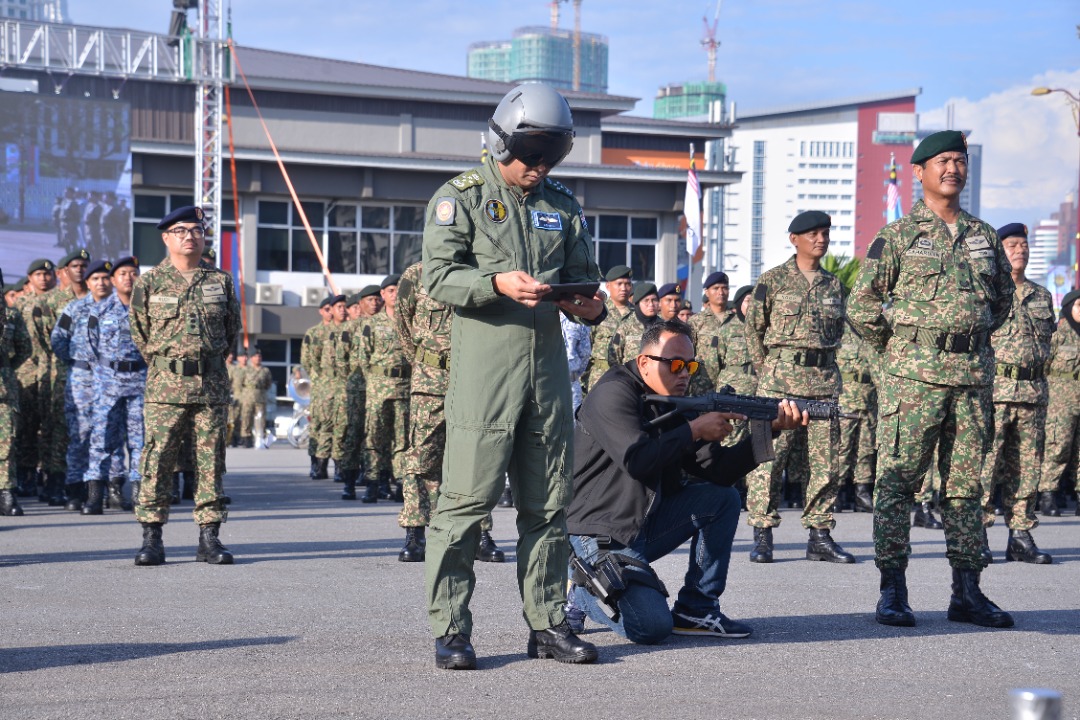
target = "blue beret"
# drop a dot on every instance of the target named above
(809, 220)
(1012, 229)
(99, 266)
(619, 272)
(40, 264)
(642, 291)
(368, 291)
(188, 213)
(76, 254)
(125, 261)
(716, 278)
(669, 289)
(939, 142)
(389, 281)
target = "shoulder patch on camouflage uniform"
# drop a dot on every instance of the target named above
(138, 298)
(761, 292)
(556, 185)
(467, 180)
(876, 248)
(346, 337)
(64, 322)
(366, 332)
(36, 311)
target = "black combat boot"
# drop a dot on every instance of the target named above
(1022, 547)
(153, 549)
(116, 495)
(55, 489)
(176, 480)
(864, 499)
(314, 472)
(454, 652)
(893, 608)
(9, 504)
(560, 643)
(76, 495)
(385, 491)
(488, 551)
(349, 478)
(27, 482)
(821, 546)
(987, 556)
(136, 485)
(506, 500)
(210, 548)
(924, 517)
(371, 492)
(968, 604)
(1048, 504)
(763, 547)
(414, 545)
(338, 476)
(322, 472)
(95, 497)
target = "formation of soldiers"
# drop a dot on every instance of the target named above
(95, 221)
(250, 380)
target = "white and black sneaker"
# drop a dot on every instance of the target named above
(714, 624)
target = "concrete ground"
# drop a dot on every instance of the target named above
(317, 619)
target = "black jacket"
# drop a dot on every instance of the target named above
(619, 463)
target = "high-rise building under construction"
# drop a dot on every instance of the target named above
(542, 54)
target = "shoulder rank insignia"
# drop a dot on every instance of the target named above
(467, 180)
(556, 185)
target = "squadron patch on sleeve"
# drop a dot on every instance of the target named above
(445, 210)
(761, 292)
(876, 248)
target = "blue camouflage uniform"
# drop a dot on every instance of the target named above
(119, 384)
(70, 346)
(578, 351)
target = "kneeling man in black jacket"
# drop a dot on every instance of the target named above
(633, 503)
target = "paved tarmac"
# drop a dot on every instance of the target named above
(318, 620)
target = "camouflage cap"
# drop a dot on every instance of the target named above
(40, 264)
(76, 254)
(939, 142)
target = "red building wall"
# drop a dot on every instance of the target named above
(872, 172)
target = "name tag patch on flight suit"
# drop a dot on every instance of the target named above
(979, 247)
(546, 220)
(445, 209)
(495, 211)
(213, 293)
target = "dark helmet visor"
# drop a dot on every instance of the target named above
(536, 147)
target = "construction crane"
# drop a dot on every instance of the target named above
(555, 13)
(577, 44)
(709, 41)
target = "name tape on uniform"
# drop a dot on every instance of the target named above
(546, 220)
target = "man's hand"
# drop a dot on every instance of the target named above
(584, 307)
(520, 287)
(714, 426)
(789, 417)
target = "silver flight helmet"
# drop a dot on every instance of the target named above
(532, 124)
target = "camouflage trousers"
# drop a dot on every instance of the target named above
(915, 418)
(8, 422)
(1015, 463)
(1062, 433)
(248, 411)
(32, 394)
(167, 426)
(234, 420)
(117, 426)
(355, 412)
(79, 400)
(386, 435)
(54, 430)
(763, 485)
(858, 448)
(335, 426)
(315, 414)
(931, 482)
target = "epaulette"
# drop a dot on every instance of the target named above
(556, 185)
(467, 179)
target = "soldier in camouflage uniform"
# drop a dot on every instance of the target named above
(237, 369)
(620, 290)
(858, 436)
(1063, 417)
(951, 286)
(119, 385)
(387, 371)
(1020, 393)
(334, 370)
(254, 384)
(708, 326)
(626, 342)
(185, 319)
(15, 349)
(32, 377)
(311, 360)
(793, 329)
(423, 326)
(362, 306)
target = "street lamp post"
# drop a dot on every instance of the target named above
(1075, 102)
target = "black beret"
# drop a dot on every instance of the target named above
(389, 281)
(335, 299)
(326, 301)
(188, 213)
(368, 291)
(686, 305)
(736, 302)
(716, 278)
(209, 252)
(618, 272)
(352, 300)
(76, 254)
(939, 142)
(1012, 229)
(124, 262)
(643, 290)
(669, 289)
(809, 220)
(40, 264)
(1068, 300)
(99, 266)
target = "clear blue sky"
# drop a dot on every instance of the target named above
(983, 55)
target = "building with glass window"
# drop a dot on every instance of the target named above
(54, 11)
(688, 100)
(542, 54)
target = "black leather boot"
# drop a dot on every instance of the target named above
(349, 478)
(414, 545)
(488, 551)
(27, 482)
(322, 472)
(864, 499)
(893, 608)
(924, 517)
(176, 480)
(153, 549)
(136, 485)
(454, 652)
(76, 495)
(763, 546)
(560, 643)
(385, 492)
(55, 492)
(968, 604)
(313, 473)
(9, 505)
(371, 492)
(821, 546)
(1022, 547)
(210, 548)
(116, 495)
(1048, 505)
(506, 500)
(95, 498)
(987, 556)
(339, 476)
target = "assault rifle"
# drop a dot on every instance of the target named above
(759, 411)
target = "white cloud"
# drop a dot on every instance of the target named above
(1030, 144)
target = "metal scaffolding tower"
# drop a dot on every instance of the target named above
(209, 65)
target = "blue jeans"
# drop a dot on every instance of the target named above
(703, 513)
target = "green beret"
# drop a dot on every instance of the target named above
(618, 273)
(77, 254)
(40, 264)
(643, 290)
(352, 299)
(389, 281)
(368, 291)
(20, 283)
(939, 142)
(809, 220)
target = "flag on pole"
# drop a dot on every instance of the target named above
(692, 211)
(893, 211)
(483, 148)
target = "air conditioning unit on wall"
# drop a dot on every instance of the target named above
(267, 294)
(313, 296)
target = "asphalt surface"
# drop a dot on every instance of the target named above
(317, 619)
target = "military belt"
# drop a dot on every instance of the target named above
(1065, 374)
(946, 342)
(807, 358)
(435, 360)
(393, 372)
(126, 365)
(857, 377)
(1016, 372)
(80, 364)
(189, 368)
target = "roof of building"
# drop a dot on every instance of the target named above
(655, 126)
(836, 104)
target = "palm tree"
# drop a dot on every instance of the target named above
(847, 269)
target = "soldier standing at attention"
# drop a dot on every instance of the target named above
(1021, 351)
(626, 342)
(793, 328)
(950, 284)
(363, 305)
(1063, 421)
(620, 289)
(311, 360)
(858, 436)
(256, 381)
(184, 319)
(670, 296)
(237, 368)
(333, 374)
(496, 237)
(119, 386)
(15, 349)
(707, 326)
(423, 327)
(32, 377)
